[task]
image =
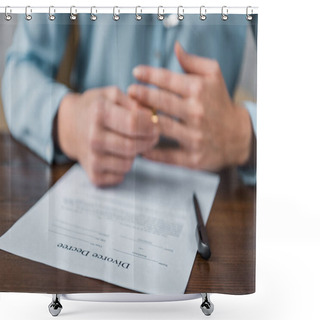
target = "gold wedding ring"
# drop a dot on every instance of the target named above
(154, 117)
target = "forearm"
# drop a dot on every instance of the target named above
(66, 129)
(31, 96)
(30, 112)
(247, 171)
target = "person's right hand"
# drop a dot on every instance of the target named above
(104, 129)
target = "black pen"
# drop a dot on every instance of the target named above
(202, 237)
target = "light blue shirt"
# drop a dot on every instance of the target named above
(108, 51)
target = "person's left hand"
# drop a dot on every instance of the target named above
(197, 112)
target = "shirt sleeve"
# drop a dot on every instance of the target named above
(30, 94)
(247, 173)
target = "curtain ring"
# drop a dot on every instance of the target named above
(224, 13)
(73, 13)
(93, 16)
(28, 11)
(249, 15)
(180, 15)
(116, 16)
(6, 14)
(138, 16)
(203, 15)
(51, 15)
(160, 15)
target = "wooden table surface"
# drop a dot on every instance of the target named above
(231, 227)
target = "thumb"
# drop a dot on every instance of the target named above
(194, 64)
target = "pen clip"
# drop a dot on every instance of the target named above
(201, 235)
(203, 246)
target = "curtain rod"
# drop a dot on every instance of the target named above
(129, 10)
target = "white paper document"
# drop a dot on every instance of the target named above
(139, 235)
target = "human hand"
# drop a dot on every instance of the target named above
(104, 130)
(198, 113)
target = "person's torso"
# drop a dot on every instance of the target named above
(109, 50)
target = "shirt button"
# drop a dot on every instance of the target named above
(171, 21)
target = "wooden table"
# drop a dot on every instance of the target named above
(231, 226)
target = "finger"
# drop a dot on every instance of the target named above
(134, 123)
(105, 179)
(118, 145)
(102, 163)
(195, 64)
(180, 84)
(115, 95)
(171, 156)
(175, 130)
(158, 99)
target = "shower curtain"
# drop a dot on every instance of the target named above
(116, 121)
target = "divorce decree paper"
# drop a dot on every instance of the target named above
(140, 235)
